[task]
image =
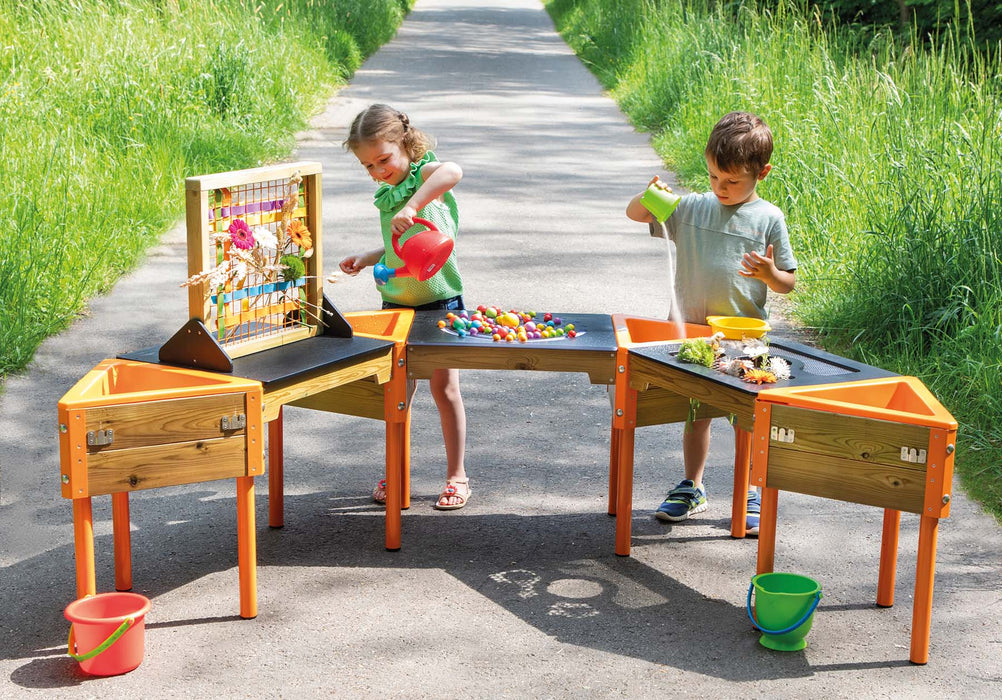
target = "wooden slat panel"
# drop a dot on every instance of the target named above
(166, 465)
(657, 406)
(199, 251)
(872, 484)
(725, 398)
(312, 188)
(241, 349)
(600, 366)
(363, 398)
(276, 396)
(850, 437)
(164, 422)
(250, 176)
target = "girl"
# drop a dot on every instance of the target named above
(415, 183)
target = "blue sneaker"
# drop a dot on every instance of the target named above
(754, 511)
(681, 502)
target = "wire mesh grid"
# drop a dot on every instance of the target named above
(259, 291)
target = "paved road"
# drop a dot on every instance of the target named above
(520, 594)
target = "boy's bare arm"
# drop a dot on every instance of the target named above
(637, 211)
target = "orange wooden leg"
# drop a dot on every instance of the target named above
(123, 541)
(742, 467)
(395, 438)
(624, 492)
(246, 547)
(276, 473)
(888, 558)
(767, 531)
(83, 546)
(405, 464)
(614, 468)
(926, 568)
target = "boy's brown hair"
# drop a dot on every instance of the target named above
(740, 141)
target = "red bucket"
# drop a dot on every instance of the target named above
(107, 632)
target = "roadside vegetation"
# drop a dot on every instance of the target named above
(107, 105)
(888, 164)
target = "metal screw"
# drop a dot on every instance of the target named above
(950, 449)
(63, 428)
(401, 406)
(619, 411)
(622, 369)
(66, 478)
(946, 498)
(400, 362)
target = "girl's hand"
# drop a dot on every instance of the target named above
(352, 265)
(403, 220)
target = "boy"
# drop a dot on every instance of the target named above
(712, 233)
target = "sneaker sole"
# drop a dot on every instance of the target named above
(661, 515)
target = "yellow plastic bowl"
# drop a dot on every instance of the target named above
(737, 327)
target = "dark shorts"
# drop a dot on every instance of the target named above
(451, 304)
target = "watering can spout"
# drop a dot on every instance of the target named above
(424, 254)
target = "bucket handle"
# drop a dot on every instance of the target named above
(795, 625)
(71, 643)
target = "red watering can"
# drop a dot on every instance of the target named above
(423, 254)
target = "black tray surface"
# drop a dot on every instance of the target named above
(808, 366)
(598, 334)
(291, 361)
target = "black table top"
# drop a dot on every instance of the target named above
(595, 334)
(291, 361)
(808, 366)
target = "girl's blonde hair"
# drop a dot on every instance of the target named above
(383, 123)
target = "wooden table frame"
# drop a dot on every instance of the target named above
(871, 470)
(645, 395)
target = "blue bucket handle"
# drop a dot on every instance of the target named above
(795, 625)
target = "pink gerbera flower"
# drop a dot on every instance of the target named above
(241, 235)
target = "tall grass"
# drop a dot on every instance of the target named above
(888, 164)
(107, 105)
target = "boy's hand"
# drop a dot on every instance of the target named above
(659, 183)
(403, 220)
(352, 265)
(759, 266)
(763, 267)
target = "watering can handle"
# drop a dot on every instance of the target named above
(71, 642)
(795, 625)
(395, 239)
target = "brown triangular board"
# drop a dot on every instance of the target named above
(193, 346)
(335, 325)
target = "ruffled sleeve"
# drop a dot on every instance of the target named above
(389, 197)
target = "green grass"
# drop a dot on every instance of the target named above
(888, 165)
(107, 105)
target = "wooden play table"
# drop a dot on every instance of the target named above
(836, 429)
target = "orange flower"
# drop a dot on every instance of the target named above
(759, 376)
(299, 234)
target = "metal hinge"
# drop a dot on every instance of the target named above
(234, 422)
(99, 438)
(782, 434)
(910, 454)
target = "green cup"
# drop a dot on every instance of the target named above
(659, 201)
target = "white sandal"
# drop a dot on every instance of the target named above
(451, 491)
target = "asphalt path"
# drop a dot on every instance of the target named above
(519, 594)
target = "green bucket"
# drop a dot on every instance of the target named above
(784, 609)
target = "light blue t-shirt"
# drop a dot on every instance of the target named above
(710, 240)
